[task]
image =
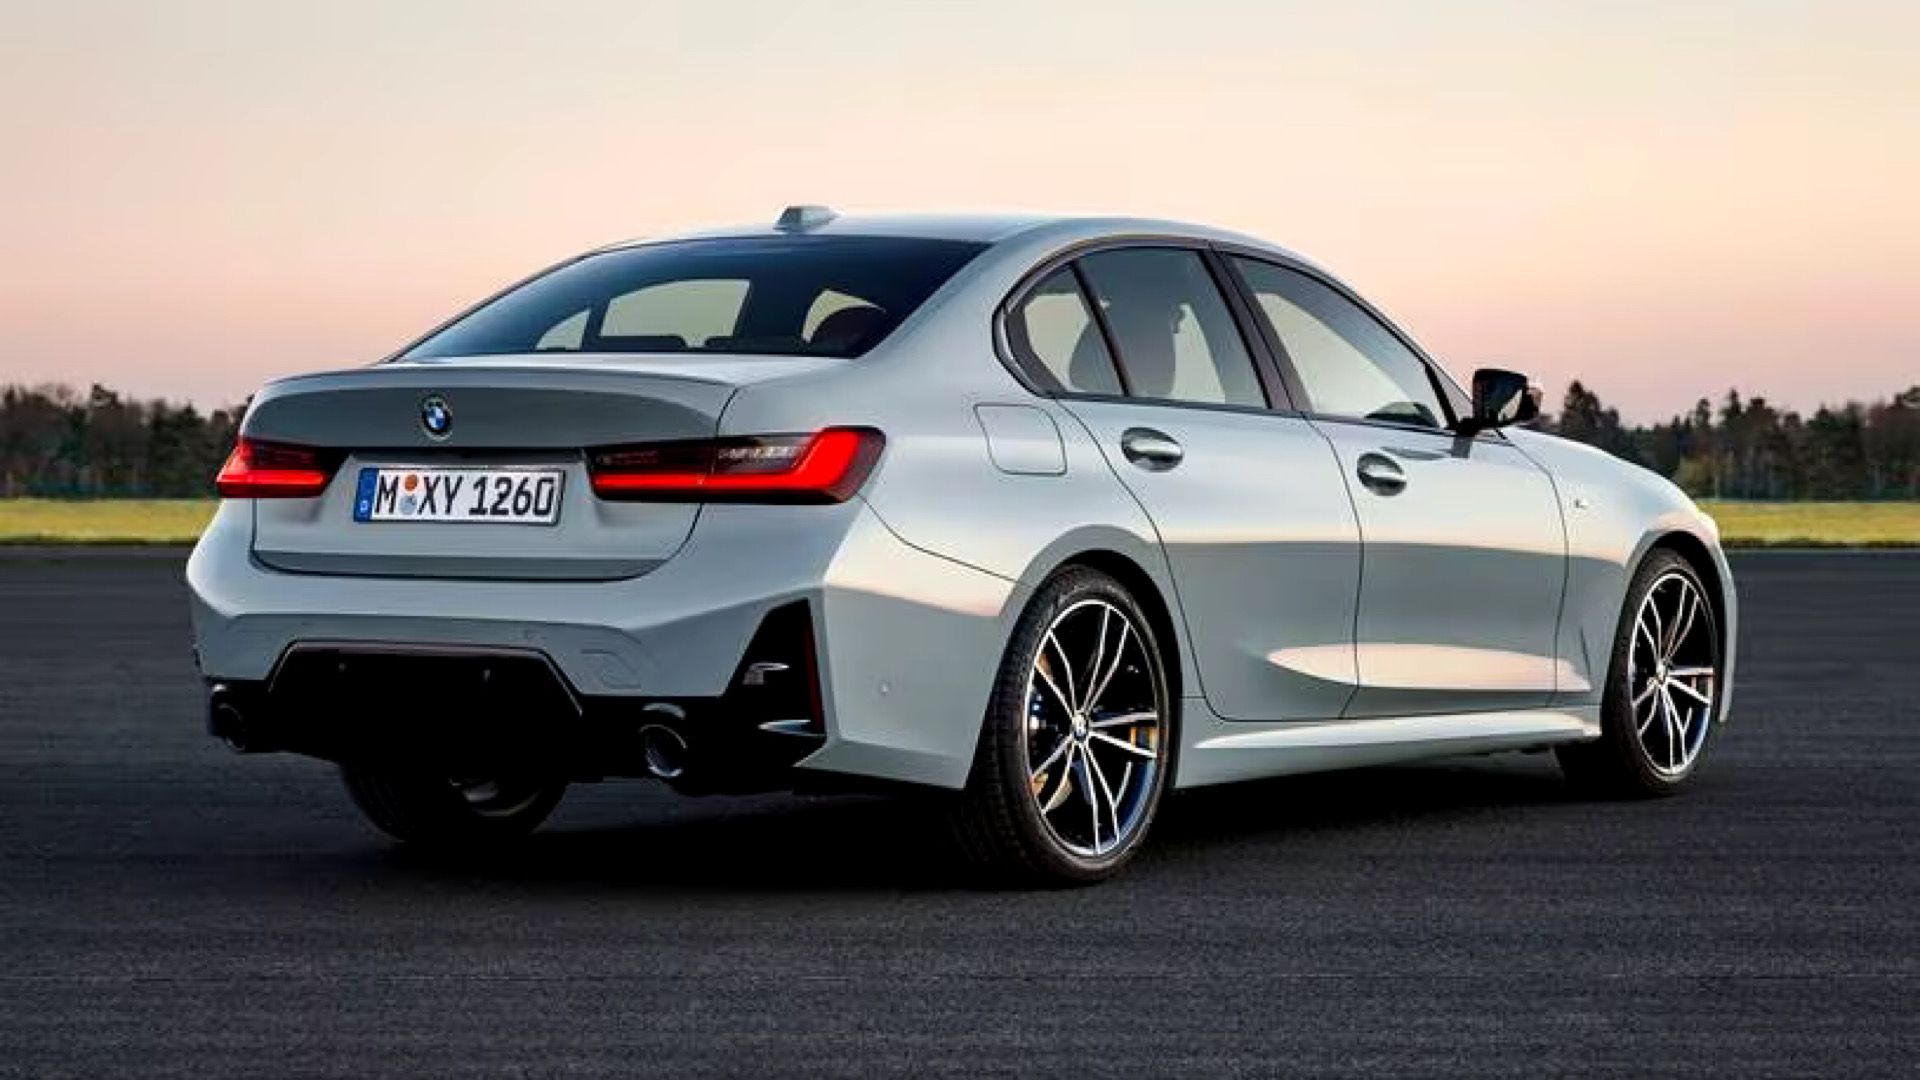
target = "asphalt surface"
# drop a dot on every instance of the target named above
(167, 908)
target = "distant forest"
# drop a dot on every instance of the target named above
(55, 441)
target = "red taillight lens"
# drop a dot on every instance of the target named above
(266, 470)
(827, 466)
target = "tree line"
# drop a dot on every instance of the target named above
(55, 441)
(1748, 449)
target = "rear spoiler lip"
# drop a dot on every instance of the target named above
(492, 407)
(729, 369)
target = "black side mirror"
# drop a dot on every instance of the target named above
(1500, 398)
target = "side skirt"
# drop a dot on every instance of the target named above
(1218, 753)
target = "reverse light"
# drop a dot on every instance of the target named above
(269, 470)
(824, 467)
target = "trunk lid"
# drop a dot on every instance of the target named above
(504, 412)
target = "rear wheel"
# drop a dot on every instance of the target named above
(1663, 686)
(416, 806)
(1077, 743)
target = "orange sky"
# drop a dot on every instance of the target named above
(1663, 199)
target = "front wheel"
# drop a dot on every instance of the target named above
(421, 808)
(1663, 686)
(1078, 742)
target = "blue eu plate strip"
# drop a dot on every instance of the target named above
(363, 498)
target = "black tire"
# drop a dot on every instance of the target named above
(1620, 764)
(417, 807)
(997, 821)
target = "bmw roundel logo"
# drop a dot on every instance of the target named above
(436, 419)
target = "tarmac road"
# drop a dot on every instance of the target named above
(169, 909)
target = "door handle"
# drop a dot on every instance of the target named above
(1155, 451)
(1381, 474)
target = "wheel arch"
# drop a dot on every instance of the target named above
(1700, 558)
(1695, 551)
(1146, 592)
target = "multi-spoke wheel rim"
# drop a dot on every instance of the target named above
(1672, 673)
(1093, 729)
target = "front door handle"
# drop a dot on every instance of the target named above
(1155, 451)
(1381, 474)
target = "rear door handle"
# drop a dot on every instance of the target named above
(1155, 451)
(1381, 474)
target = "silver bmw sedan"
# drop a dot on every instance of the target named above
(1044, 516)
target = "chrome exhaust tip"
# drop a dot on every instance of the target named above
(227, 722)
(662, 746)
(665, 751)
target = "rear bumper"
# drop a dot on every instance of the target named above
(907, 641)
(471, 712)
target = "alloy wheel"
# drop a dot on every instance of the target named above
(1672, 673)
(1094, 729)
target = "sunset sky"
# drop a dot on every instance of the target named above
(1662, 199)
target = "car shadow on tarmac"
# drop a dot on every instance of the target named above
(850, 843)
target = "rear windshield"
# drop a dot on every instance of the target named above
(780, 296)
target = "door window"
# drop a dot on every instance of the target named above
(566, 335)
(1054, 329)
(1175, 335)
(690, 312)
(828, 304)
(1349, 364)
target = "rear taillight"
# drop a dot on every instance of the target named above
(824, 467)
(268, 470)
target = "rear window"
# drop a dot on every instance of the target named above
(779, 296)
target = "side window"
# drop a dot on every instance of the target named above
(682, 313)
(1349, 364)
(1053, 328)
(826, 305)
(1175, 335)
(565, 335)
(837, 322)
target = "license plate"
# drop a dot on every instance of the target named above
(484, 496)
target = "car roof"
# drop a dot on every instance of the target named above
(978, 228)
(984, 228)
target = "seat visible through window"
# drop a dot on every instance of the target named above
(1054, 328)
(1173, 330)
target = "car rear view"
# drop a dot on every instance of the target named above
(530, 550)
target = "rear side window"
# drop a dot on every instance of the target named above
(825, 305)
(1054, 328)
(782, 296)
(682, 311)
(1175, 335)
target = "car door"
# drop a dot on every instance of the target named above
(1464, 551)
(1142, 346)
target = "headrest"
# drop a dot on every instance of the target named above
(849, 330)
